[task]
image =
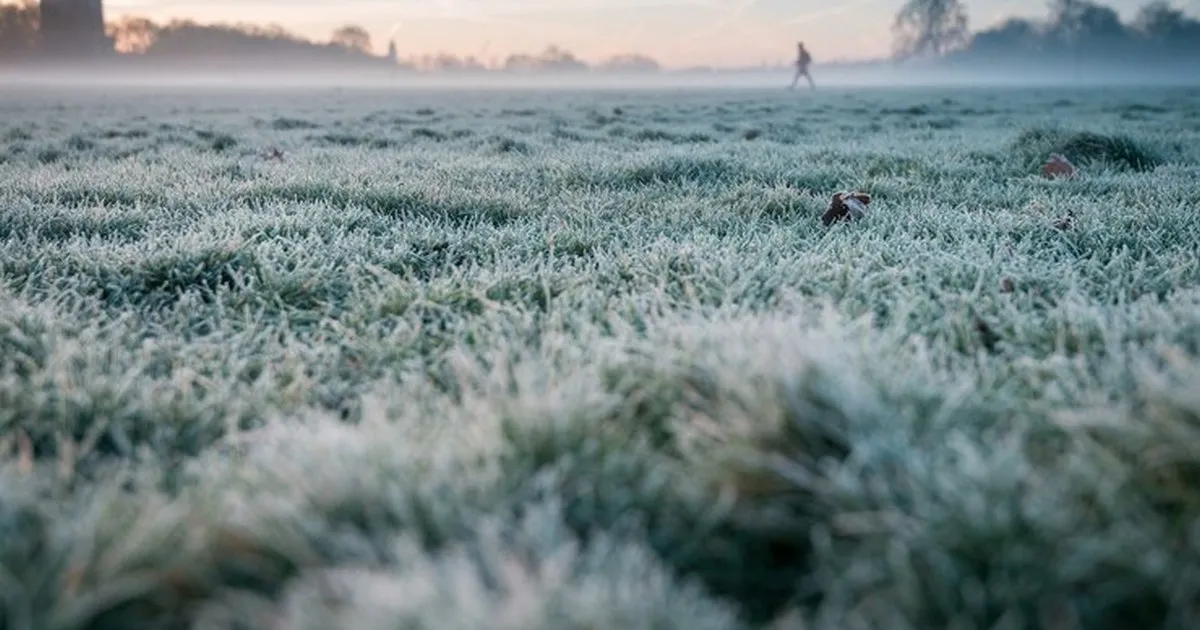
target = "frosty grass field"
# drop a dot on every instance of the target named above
(590, 360)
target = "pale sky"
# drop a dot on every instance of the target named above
(675, 32)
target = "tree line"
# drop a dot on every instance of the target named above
(1072, 30)
(184, 40)
(181, 41)
(936, 30)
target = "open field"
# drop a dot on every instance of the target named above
(590, 360)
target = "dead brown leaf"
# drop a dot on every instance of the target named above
(845, 206)
(1059, 167)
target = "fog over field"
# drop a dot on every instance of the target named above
(1051, 72)
(365, 357)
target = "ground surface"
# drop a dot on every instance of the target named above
(570, 360)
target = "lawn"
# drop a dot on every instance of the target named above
(567, 359)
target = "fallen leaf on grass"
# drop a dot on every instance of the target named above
(1058, 166)
(846, 206)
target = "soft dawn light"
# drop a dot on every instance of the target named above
(676, 32)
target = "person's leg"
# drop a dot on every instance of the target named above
(811, 83)
(795, 79)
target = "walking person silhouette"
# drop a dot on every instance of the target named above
(803, 59)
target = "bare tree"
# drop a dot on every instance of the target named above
(133, 34)
(19, 28)
(559, 59)
(930, 27)
(352, 37)
(1160, 22)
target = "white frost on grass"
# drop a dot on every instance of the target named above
(589, 360)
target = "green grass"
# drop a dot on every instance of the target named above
(573, 360)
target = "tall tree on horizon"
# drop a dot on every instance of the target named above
(1162, 21)
(352, 37)
(930, 27)
(133, 35)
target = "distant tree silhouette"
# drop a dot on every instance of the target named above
(628, 63)
(445, 62)
(186, 38)
(1072, 31)
(352, 37)
(930, 27)
(557, 59)
(187, 43)
(1015, 36)
(520, 62)
(552, 59)
(179, 43)
(1089, 34)
(1161, 23)
(133, 35)
(1084, 24)
(19, 34)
